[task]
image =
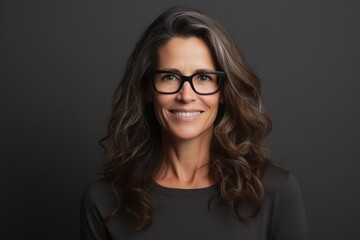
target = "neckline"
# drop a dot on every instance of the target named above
(183, 191)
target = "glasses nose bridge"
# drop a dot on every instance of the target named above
(187, 79)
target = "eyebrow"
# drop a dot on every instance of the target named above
(179, 72)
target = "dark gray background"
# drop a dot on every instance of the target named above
(60, 64)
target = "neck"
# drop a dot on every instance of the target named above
(185, 163)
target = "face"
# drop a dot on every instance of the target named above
(185, 114)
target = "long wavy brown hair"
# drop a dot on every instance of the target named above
(133, 141)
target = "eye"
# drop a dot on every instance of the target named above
(168, 77)
(204, 77)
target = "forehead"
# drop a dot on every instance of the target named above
(185, 54)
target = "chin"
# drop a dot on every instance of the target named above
(189, 133)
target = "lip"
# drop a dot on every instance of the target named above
(185, 114)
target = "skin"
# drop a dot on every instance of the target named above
(185, 139)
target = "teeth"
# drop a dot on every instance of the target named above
(186, 114)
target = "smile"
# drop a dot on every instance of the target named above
(186, 114)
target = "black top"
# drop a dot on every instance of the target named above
(183, 214)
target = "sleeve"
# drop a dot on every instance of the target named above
(91, 222)
(290, 217)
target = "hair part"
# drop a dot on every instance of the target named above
(238, 156)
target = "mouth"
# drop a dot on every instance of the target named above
(186, 114)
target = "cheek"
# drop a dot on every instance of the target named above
(159, 102)
(212, 102)
(162, 100)
(160, 107)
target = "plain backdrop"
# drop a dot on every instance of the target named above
(62, 60)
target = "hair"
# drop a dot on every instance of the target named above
(238, 156)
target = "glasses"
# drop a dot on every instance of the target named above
(203, 83)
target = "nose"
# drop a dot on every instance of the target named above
(186, 93)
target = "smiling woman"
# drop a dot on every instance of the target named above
(185, 155)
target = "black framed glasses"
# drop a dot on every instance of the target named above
(203, 83)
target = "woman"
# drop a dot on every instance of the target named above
(185, 140)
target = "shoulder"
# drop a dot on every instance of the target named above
(280, 181)
(284, 197)
(275, 177)
(97, 204)
(98, 187)
(99, 195)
